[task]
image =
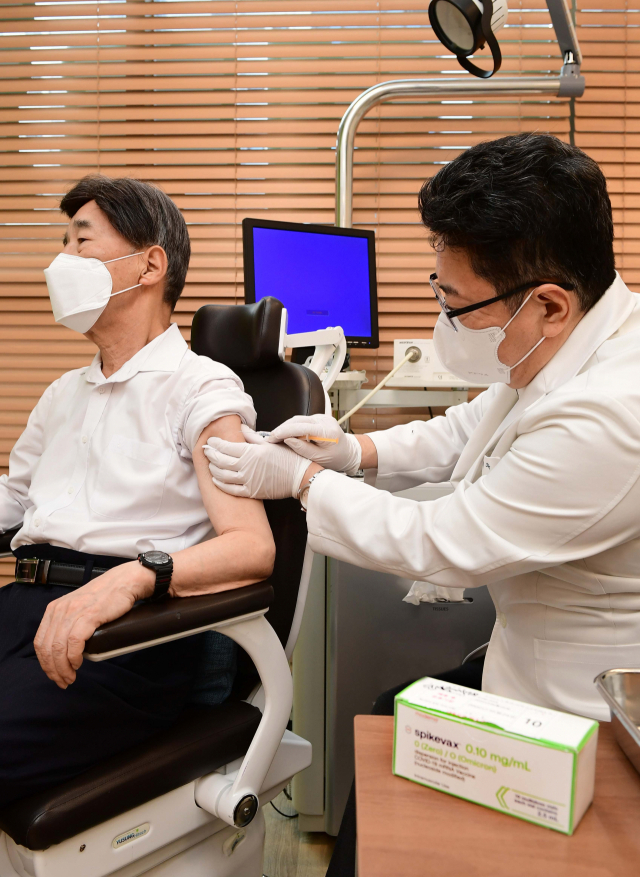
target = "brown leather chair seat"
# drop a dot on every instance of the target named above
(204, 739)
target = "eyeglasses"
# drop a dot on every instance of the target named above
(450, 313)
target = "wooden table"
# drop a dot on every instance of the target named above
(407, 830)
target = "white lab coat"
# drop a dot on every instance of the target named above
(545, 512)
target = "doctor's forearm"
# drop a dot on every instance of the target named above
(369, 458)
(369, 461)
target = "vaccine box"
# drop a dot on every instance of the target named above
(527, 761)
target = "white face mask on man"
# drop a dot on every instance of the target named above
(472, 354)
(80, 289)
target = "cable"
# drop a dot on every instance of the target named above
(286, 815)
(413, 355)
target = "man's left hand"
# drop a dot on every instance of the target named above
(69, 621)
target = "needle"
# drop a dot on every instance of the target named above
(319, 438)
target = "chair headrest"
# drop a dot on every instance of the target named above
(239, 336)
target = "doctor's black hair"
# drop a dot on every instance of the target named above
(144, 216)
(525, 207)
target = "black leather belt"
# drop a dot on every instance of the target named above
(35, 571)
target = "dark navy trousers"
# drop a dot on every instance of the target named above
(49, 735)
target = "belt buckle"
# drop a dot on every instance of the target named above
(32, 571)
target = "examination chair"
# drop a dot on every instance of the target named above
(187, 803)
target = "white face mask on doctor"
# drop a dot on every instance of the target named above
(472, 354)
(80, 289)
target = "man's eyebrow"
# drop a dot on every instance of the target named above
(77, 223)
(448, 290)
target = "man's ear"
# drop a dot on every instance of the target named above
(155, 269)
(560, 305)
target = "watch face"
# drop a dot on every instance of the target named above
(156, 557)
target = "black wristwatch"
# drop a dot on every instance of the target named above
(162, 564)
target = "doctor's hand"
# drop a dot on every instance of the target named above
(69, 621)
(258, 469)
(342, 452)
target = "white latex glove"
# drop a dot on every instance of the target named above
(341, 456)
(258, 469)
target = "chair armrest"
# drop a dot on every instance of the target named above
(5, 541)
(147, 624)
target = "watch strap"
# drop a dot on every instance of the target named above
(164, 573)
(163, 582)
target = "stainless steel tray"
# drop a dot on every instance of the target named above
(621, 691)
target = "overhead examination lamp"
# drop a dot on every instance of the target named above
(466, 26)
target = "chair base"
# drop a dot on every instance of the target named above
(229, 852)
(173, 836)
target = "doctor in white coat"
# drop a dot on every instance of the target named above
(545, 464)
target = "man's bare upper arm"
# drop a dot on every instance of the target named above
(227, 513)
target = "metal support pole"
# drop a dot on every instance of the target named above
(568, 84)
(565, 31)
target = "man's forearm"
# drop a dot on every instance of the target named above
(229, 561)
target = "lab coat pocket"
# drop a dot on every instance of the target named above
(130, 482)
(565, 669)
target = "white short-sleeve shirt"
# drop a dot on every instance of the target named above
(104, 465)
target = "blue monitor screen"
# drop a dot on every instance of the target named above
(321, 279)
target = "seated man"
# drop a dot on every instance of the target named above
(110, 468)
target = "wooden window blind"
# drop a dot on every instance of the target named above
(607, 118)
(233, 108)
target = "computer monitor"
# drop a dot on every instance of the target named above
(324, 276)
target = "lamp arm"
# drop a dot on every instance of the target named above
(565, 32)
